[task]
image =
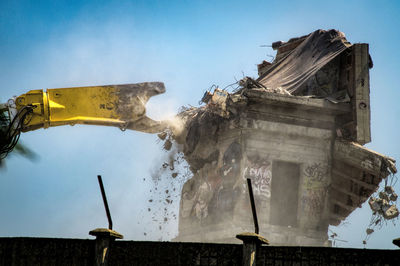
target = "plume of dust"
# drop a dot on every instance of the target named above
(167, 175)
(176, 124)
(166, 111)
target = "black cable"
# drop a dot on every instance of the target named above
(13, 132)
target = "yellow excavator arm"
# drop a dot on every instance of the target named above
(123, 106)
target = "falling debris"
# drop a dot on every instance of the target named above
(162, 135)
(390, 212)
(393, 197)
(385, 204)
(167, 145)
(389, 190)
(165, 192)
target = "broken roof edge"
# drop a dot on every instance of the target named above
(356, 155)
(357, 173)
(324, 104)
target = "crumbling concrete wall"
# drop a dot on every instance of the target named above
(215, 204)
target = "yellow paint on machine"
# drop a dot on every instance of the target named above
(95, 105)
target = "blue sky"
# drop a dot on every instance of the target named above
(189, 45)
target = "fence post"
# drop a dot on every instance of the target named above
(104, 240)
(396, 241)
(251, 242)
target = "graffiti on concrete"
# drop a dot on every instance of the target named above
(315, 172)
(314, 189)
(260, 171)
(313, 202)
(198, 192)
(212, 189)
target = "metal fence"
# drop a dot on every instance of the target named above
(51, 251)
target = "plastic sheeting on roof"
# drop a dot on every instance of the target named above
(318, 49)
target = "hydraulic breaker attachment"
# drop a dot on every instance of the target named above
(123, 106)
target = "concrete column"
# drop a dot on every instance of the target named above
(104, 239)
(251, 242)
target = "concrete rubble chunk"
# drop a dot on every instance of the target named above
(393, 197)
(167, 145)
(162, 135)
(392, 165)
(218, 102)
(384, 196)
(369, 231)
(391, 212)
(385, 205)
(375, 204)
(389, 189)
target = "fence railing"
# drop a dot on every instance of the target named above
(52, 251)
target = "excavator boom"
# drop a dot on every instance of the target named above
(123, 106)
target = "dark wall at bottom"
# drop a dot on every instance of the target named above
(326, 256)
(46, 251)
(52, 251)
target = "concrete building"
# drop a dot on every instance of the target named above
(297, 131)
